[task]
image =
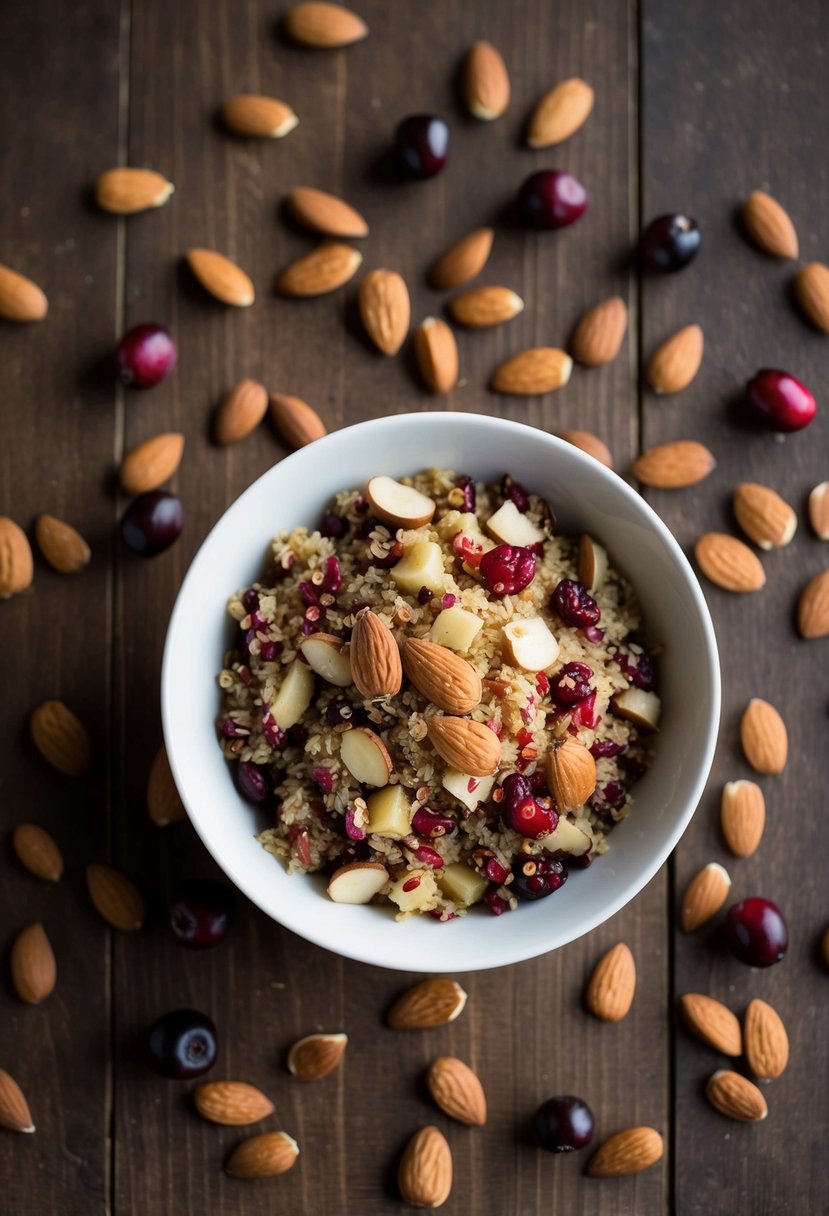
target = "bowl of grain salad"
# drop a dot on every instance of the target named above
(440, 692)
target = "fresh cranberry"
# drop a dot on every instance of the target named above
(424, 595)
(145, 356)
(496, 871)
(584, 714)
(514, 787)
(756, 932)
(780, 401)
(253, 781)
(537, 877)
(574, 605)
(333, 526)
(515, 493)
(152, 522)
(201, 914)
(531, 817)
(551, 199)
(428, 856)
(563, 1124)
(572, 684)
(495, 902)
(432, 825)
(669, 243)
(507, 569)
(605, 747)
(467, 486)
(422, 145)
(182, 1044)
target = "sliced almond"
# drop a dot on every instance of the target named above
(704, 896)
(325, 213)
(375, 658)
(813, 607)
(399, 504)
(432, 1002)
(223, 279)
(541, 369)
(763, 515)
(529, 643)
(598, 337)
(32, 965)
(628, 1152)
(612, 985)
(484, 306)
(560, 113)
(811, 287)
(436, 352)
(567, 837)
(385, 309)
(293, 696)
(638, 705)
(742, 816)
(263, 1156)
(116, 897)
(357, 883)
(819, 510)
(463, 261)
(64, 549)
(712, 1022)
(510, 526)
(735, 1097)
(424, 1175)
(769, 226)
(325, 655)
(127, 191)
(729, 563)
(297, 422)
(673, 466)
(324, 26)
(457, 1090)
(242, 410)
(316, 1055)
(469, 790)
(587, 442)
(464, 744)
(61, 738)
(486, 86)
(257, 117)
(14, 1109)
(151, 463)
(164, 803)
(445, 679)
(20, 298)
(324, 269)
(366, 757)
(766, 1041)
(16, 562)
(231, 1103)
(674, 364)
(592, 563)
(764, 737)
(37, 851)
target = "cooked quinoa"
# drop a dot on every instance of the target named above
(459, 845)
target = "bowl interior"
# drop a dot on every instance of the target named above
(585, 497)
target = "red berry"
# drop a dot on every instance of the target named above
(182, 1044)
(563, 1124)
(253, 781)
(507, 569)
(531, 818)
(145, 355)
(756, 932)
(551, 199)
(422, 145)
(152, 522)
(780, 400)
(537, 877)
(202, 913)
(573, 604)
(669, 243)
(572, 684)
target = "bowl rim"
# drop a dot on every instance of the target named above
(593, 468)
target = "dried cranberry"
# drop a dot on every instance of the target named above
(515, 493)
(428, 856)
(495, 902)
(637, 667)
(253, 781)
(323, 778)
(250, 600)
(332, 576)
(584, 714)
(274, 735)
(507, 569)
(431, 825)
(333, 526)
(467, 485)
(337, 712)
(572, 684)
(574, 605)
(353, 822)
(268, 651)
(424, 595)
(537, 877)
(605, 747)
(496, 871)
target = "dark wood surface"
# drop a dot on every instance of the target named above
(697, 104)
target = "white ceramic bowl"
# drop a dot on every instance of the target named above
(585, 496)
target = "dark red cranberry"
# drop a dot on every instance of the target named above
(669, 243)
(593, 634)
(514, 787)
(274, 735)
(574, 605)
(637, 667)
(145, 356)
(507, 569)
(495, 902)
(537, 877)
(584, 714)
(424, 595)
(467, 486)
(337, 712)
(515, 493)
(572, 684)
(182, 1044)
(551, 199)
(531, 817)
(253, 781)
(333, 526)
(332, 576)
(563, 1124)
(756, 932)
(780, 400)
(432, 825)
(250, 600)
(308, 593)
(152, 522)
(422, 145)
(201, 914)
(496, 871)
(322, 778)
(605, 747)
(268, 651)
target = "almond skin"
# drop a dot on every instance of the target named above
(763, 515)
(163, 802)
(468, 746)
(263, 1156)
(571, 773)
(560, 113)
(673, 466)
(612, 985)
(735, 1097)
(20, 298)
(742, 817)
(16, 562)
(429, 1003)
(61, 738)
(729, 563)
(485, 306)
(255, 117)
(541, 369)
(151, 463)
(463, 261)
(14, 1109)
(127, 191)
(324, 269)
(425, 1172)
(436, 352)
(599, 335)
(587, 442)
(811, 287)
(704, 896)
(323, 26)
(375, 659)
(241, 411)
(674, 364)
(766, 1041)
(32, 964)
(223, 279)
(64, 549)
(441, 676)
(764, 737)
(819, 510)
(769, 226)
(457, 1090)
(295, 421)
(486, 85)
(325, 213)
(712, 1022)
(628, 1152)
(813, 607)
(37, 851)
(116, 898)
(316, 1055)
(385, 309)
(232, 1103)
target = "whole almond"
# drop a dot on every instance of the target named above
(766, 1041)
(764, 737)
(316, 1055)
(612, 985)
(468, 746)
(704, 896)
(429, 1003)
(37, 851)
(232, 1103)
(385, 309)
(424, 1175)
(323, 26)
(16, 563)
(571, 773)
(116, 897)
(463, 261)
(819, 510)
(325, 213)
(769, 225)
(61, 738)
(485, 306)
(457, 1090)
(742, 816)
(735, 1097)
(14, 1109)
(126, 191)
(672, 466)
(151, 463)
(486, 87)
(33, 968)
(674, 364)
(729, 563)
(441, 676)
(223, 279)
(587, 442)
(811, 286)
(295, 421)
(257, 117)
(375, 659)
(324, 269)
(599, 335)
(263, 1156)
(541, 369)
(813, 607)
(560, 113)
(712, 1022)
(436, 352)
(164, 804)
(628, 1152)
(64, 549)
(20, 298)
(242, 410)
(763, 515)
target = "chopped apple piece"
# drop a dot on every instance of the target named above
(389, 812)
(456, 628)
(638, 706)
(467, 789)
(397, 504)
(358, 882)
(365, 756)
(592, 563)
(530, 644)
(566, 838)
(324, 655)
(510, 527)
(294, 695)
(462, 884)
(420, 566)
(419, 894)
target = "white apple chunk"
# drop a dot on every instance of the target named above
(324, 654)
(400, 505)
(467, 789)
(294, 695)
(420, 566)
(456, 628)
(592, 563)
(510, 527)
(419, 895)
(365, 756)
(389, 812)
(530, 644)
(638, 706)
(566, 838)
(462, 884)
(358, 882)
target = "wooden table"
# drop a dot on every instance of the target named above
(697, 104)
